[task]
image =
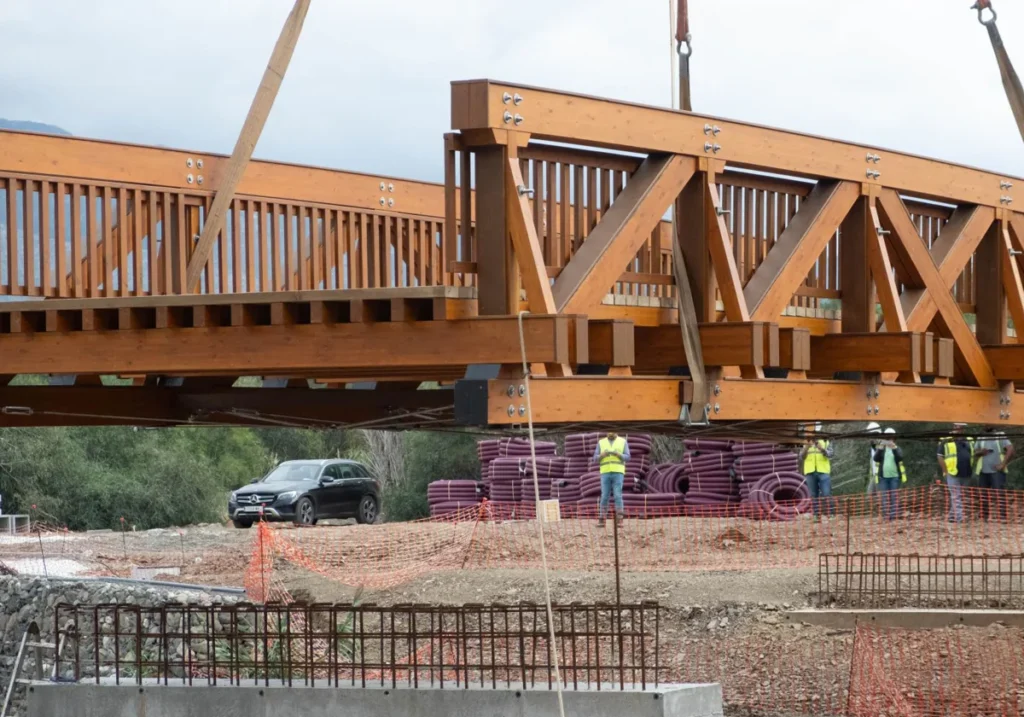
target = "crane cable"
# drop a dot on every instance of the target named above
(685, 48)
(1011, 82)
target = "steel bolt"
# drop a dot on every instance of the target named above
(391, 202)
(718, 389)
(189, 179)
(522, 389)
(518, 119)
(522, 410)
(876, 410)
(506, 98)
(511, 411)
(382, 186)
(717, 408)
(707, 146)
(517, 99)
(188, 163)
(199, 163)
(511, 391)
(507, 117)
(199, 179)
(391, 187)
(382, 201)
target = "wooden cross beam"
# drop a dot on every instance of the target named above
(924, 272)
(771, 287)
(623, 229)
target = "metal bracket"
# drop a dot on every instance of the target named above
(687, 420)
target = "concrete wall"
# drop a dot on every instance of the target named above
(158, 701)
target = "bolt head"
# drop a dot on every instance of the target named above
(707, 129)
(382, 186)
(188, 163)
(506, 98)
(391, 187)
(518, 119)
(507, 117)
(382, 202)
(391, 202)
(511, 410)
(522, 389)
(189, 179)
(707, 146)
(199, 163)
(718, 389)
(199, 179)
(717, 408)
(876, 410)
(511, 391)
(522, 410)
(517, 99)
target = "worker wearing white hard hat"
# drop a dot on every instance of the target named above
(891, 473)
(873, 428)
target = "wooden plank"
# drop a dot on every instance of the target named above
(249, 350)
(1013, 287)
(93, 232)
(928, 364)
(45, 224)
(969, 355)
(528, 250)
(498, 279)
(1007, 361)
(692, 236)
(12, 237)
(29, 233)
(772, 285)
(228, 183)
(60, 246)
(867, 352)
(771, 344)
(578, 119)
(623, 229)
(722, 344)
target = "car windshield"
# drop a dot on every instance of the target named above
(288, 472)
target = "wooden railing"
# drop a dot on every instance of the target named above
(69, 233)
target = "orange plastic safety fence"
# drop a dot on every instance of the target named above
(937, 673)
(927, 520)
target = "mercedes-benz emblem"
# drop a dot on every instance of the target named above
(254, 499)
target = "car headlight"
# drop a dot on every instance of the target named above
(288, 497)
(234, 497)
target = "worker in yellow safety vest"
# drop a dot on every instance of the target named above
(991, 455)
(891, 473)
(956, 462)
(817, 456)
(611, 452)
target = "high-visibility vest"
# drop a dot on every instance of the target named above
(612, 464)
(949, 455)
(1002, 455)
(817, 460)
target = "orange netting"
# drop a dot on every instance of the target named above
(958, 672)
(927, 520)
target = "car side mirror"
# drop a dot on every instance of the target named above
(324, 480)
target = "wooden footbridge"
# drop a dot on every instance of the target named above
(830, 281)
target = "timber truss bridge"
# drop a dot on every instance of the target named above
(816, 280)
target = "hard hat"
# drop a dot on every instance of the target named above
(874, 427)
(890, 430)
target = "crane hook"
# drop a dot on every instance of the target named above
(981, 6)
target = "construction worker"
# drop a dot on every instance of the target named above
(872, 465)
(956, 458)
(817, 468)
(891, 473)
(612, 452)
(992, 453)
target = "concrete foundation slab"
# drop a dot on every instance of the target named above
(906, 617)
(182, 701)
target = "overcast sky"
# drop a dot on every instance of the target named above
(367, 89)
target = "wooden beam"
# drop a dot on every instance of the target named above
(794, 349)
(857, 236)
(885, 279)
(577, 119)
(293, 349)
(990, 297)
(1013, 287)
(498, 280)
(589, 275)
(1007, 361)
(969, 354)
(528, 252)
(247, 139)
(692, 233)
(867, 352)
(722, 344)
(771, 287)
(617, 401)
(611, 342)
(953, 248)
(729, 284)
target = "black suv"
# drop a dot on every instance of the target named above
(305, 491)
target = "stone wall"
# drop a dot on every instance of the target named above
(23, 600)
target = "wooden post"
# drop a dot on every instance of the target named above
(498, 275)
(854, 271)
(990, 292)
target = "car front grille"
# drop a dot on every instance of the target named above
(256, 499)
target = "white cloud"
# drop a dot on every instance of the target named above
(368, 87)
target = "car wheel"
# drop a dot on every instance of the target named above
(367, 512)
(305, 512)
(242, 523)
